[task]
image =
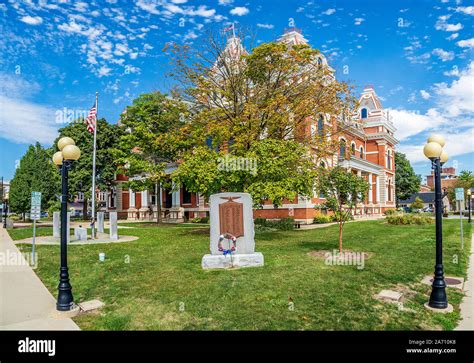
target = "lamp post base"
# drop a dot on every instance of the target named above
(447, 309)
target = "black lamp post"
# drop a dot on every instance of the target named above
(434, 151)
(469, 193)
(64, 158)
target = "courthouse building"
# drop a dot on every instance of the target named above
(366, 148)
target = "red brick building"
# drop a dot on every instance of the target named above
(368, 138)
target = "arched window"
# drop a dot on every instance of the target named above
(353, 148)
(363, 113)
(320, 62)
(342, 148)
(320, 126)
(322, 165)
(389, 159)
(361, 152)
(389, 190)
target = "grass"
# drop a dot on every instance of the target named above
(157, 282)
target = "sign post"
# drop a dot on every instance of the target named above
(460, 198)
(35, 214)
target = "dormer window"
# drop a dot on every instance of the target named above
(363, 113)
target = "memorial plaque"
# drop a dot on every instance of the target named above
(231, 217)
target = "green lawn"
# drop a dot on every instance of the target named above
(157, 282)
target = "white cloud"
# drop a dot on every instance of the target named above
(265, 26)
(466, 43)
(225, 2)
(443, 55)
(453, 36)
(458, 97)
(240, 11)
(451, 116)
(452, 73)
(22, 121)
(469, 10)
(190, 35)
(329, 11)
(358, 21)
(32, 20)
(425, 95)
(441, 24)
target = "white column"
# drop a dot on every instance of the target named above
(131, 195)
(176, 197)
(161, 197)
(144, 198)
(370, 188)
(377, 189)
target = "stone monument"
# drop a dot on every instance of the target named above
(57, 224)
(113, 229)
(232, 234)
(80, 233)
(100, 222)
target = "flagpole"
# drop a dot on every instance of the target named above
(93, 164)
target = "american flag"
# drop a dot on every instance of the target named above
(91, 119)
(229, 28)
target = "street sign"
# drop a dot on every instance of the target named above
(35, 213)
(459, 194)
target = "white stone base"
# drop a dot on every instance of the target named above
(232, 261)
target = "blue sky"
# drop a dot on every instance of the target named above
(56, 54)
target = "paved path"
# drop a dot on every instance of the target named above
(25, 303)
(467, 305)
(50, 240)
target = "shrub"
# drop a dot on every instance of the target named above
(405, 219)
(284, 224)
(322, 218)
(390, 212)
(200, 220)
(260, 221)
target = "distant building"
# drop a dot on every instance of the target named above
(448, 178)
(425, 188)
(428, 199)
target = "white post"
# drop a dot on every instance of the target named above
(131, 193)
(145, 198)
(370, 188)
(93, 165)
(377, 189)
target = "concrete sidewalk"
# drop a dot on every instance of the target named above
(25, 303)
(467, 305)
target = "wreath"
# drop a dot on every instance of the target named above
(227, 236)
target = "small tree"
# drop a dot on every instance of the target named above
(155, 132)
(343, 190)
(406, 181)
(36, 172)
(417, 204)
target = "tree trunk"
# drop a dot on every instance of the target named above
(340, 236)
(84, 209)
(157, 202)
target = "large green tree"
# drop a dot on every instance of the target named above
(156, 132)
(406, 181)
(80, 176)
(36, 173)
(343, 190)
(257, 107)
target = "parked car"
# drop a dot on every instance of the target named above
(428, 210)
(44, 214)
